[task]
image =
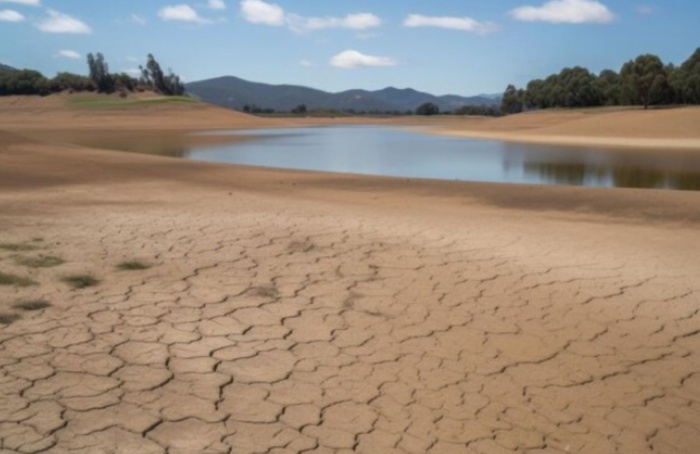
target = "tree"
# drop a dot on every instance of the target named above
(300, 109)
(579, 88)
(645, 79)
(685, 81)
(610, 86)
(99, 73)
(428, 109)
(73, 82)
(24, 82)
(153, 76)
(512, 101)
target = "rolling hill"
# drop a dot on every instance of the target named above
(234, 93)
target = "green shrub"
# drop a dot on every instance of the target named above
(79, 281)
(13, 279)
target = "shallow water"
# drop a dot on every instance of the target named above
(402, 153)
(399, 152)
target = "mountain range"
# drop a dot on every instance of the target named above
(5, 68)
(235, 93)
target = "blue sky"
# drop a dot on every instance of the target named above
(462, 47)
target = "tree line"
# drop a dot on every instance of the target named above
(99, 79)
(428, 109)
(425, 109)
(645, 81)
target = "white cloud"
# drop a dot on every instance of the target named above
(259, 12)
(65, 53)
(8, 15)
(306, 63)
(644, 10)
(350, 59)
(183, 13)
(216, 4)
(359, 21)
(565, 12)
(138, 20)
(466, 24)
(23, 2)
(63, 23)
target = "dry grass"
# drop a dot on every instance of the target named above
(7, 319)
(13, 279)
(42, 261)
(79, 281)
(133, 265)
(32, 305)
(18, 247)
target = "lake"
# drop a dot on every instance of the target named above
(404, 153)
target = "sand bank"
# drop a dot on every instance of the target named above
(670, 129)
(287, 311)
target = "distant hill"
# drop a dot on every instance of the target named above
(234, 93)
(496, 96)
(5, 68)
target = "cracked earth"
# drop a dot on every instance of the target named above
(267, 324)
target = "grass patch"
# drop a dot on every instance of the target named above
(8, 319)
(265, 291)
(79, 281)
(13, 279)
(113, 102)
(301, 246)
(18, 247)
(32, 305)
(133, 265)
(43, 261)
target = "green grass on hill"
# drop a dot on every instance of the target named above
(94, 102)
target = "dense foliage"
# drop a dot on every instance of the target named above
(152, 76)
(428, 109)
(99, 79)
(644, 81)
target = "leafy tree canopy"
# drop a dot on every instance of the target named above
(428, 109)
(643, 81)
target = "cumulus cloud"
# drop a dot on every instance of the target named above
(259, 12)
(8, 15)
(466, 24)
(58, 22)
(360, 21)
(216, 4)
(182, 13)
(23, 2)
(350, 59)
(565, 12)
(65, 53)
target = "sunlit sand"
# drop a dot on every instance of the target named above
(260, 310)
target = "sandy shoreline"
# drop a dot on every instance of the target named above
(294, 312)
(580, 141)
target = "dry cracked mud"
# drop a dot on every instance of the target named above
(266, 326)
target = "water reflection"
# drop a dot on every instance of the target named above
(626, 177)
